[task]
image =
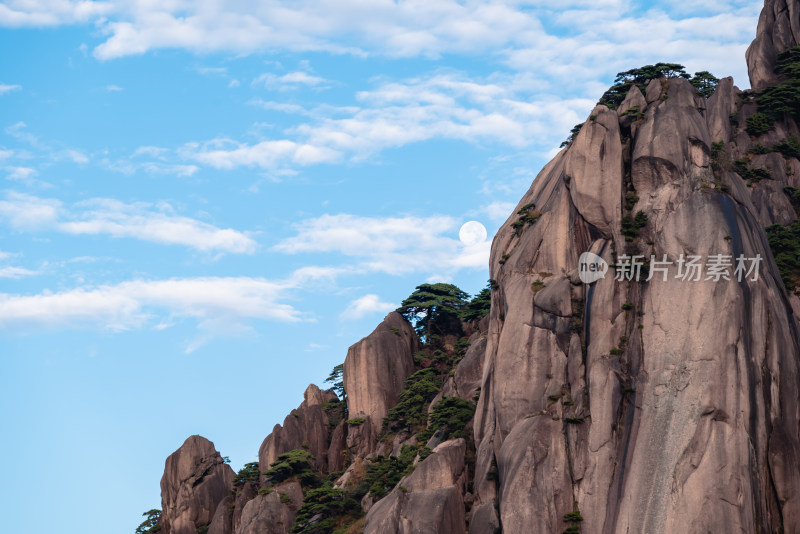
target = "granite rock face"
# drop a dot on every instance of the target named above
(267, 514)
(656, 406)
(778, 29)
(429, 500)
(307, 427)
(376, 367)
(196, 480)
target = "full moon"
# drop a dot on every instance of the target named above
(472, 233)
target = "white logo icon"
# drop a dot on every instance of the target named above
(591, 267)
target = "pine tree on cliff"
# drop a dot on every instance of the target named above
(431, 307)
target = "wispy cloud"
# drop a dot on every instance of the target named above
(366, 305)
(15, 272)
(220, 306)
(394, 245)
(291, 80)
(5, 88)
(440, 106)
(113, 88)
(103, 216)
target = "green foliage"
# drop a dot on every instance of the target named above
(574, 420)
(572, 134)
(789, 148)
(705, 82)
(202, 529)
(785, 244)
(336, 411)
(420, 388)
(335, 378)
(266, 490)
(634, 113)
(631, 199)
(750, 175)
(336, 507)
(573, 517)
(758, 148)
(384, 472)
(527, 215)
(295, 463)
(627, 306)
(150, 525)
(631, 226)
(794, 197)
(759, 123)
(478, 307)
(249, 474)
(451, 414)
(572, 529)
(433, 307)
(639, 77)
(356, 421)
(395, 330)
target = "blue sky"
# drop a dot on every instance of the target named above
(203, 204)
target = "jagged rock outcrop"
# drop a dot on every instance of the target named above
(660, 406)
(307, 427)
(269, 514)
(429, 500)
(196, 480)
(778, 30)
(375, 369)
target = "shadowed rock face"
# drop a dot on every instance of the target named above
(306, 427)
(196, 480)
(661, 406)
(376, 367)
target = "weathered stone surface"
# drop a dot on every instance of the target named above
(376, 367)
(307, 427)
(469, 371)
(678, 415)
(266, 514)
(594, 167)
(719, 108)
(222, 523)
(429, 500)
(778, 30)
(195, 481)
(337, 452)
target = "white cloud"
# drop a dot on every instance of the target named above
(103, 216)
(229, 154)
(4, 88)
(113, 88)
(366, 305)
(22, 13)
(394, 245)
(15, 272)
(219, 305)
(20, 174)
(289, 81)
(439, 106)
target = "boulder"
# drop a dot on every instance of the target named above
(196, 480)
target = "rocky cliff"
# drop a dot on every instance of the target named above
(659, 403)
